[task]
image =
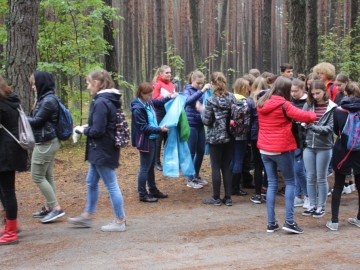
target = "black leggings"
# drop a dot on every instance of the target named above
(220, 156)
(336, 196)
(259, 179)
(8, 197)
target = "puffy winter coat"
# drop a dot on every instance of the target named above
(321, 135)
(275, 129)
(192, 96)
(12, 156)
(217, 117)
(100, 143)
(162, 88)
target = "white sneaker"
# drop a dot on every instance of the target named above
(114, 226)
(298, 202)
(306, 204)
(353, 187)
(354, 221)
(194, 184)
(347, 190)
(201, 181)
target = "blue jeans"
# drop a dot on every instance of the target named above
(238, 154)
(285, 162)
(300, 175)
(316, 163)
(196, 144)
(146, 172)
(108, 176)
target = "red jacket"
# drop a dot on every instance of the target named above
(274, 129)
(166, 85)
(332, 90)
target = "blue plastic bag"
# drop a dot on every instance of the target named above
(176, 153)
(207, 94)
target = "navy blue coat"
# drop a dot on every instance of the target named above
(140, 128)
(100, 144)
(192, 96)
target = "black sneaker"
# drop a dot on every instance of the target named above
(42, 213)
(148, 198)
(256, 199)
(272, 227)
(309, 212)
(159, 195)
(54, 214)
(319, 213)
(212, 201)
(294, 228)
(227, 201)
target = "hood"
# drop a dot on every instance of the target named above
(12, 100)
(44, 83)
(351, 104)
(113, 95)
(136, 104)
(272, 103)
(221, 101)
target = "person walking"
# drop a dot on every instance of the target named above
(43, 119)
(344, 159)
(101, 152)
(12, 158)
(144, 132)
(277, 144)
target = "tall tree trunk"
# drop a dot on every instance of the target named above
(355, 39)
(297, 17)
(266, 37)
(311, 34)
(194, 16)
(21, 53)
(220, 42)
(158, 34)
(111, 63)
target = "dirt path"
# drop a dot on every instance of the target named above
(176, 233)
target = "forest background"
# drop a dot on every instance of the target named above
(131, 38)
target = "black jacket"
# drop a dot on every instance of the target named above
(45, 115)
(340, 150)
(12, 156)
(100, 144)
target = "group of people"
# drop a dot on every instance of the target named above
(317, 104)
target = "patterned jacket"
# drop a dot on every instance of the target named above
(217, 117)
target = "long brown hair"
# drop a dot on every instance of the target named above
(281, 87)
(5, 89)
(317, 84)
(106, 82)
(218, 83)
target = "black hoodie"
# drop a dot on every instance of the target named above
(45, 114)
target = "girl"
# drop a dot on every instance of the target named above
(277, 145)
(194, 92)
(340, 82)
(163, 87)
(12, 158)
(241, 91)
(101, 153)
(144, 133)
(216, 116)
(341, 168)
(42, 120)
(318, 151)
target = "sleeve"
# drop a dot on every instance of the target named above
(325, 129)
(191, 99)
(47, 108)
(99, 121)
(208, 117)
(156, 92)
(299, 115)
(141, 122)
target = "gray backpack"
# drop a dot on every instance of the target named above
(26, 137)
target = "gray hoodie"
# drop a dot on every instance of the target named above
(321, 135)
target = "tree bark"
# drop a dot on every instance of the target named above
(21, 53)
(266, 37)
(194, 16)
(311, 34)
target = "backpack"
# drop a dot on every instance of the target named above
(122, 132)
(26, 137)
(351, 131)
(64, 125)
(240, 119)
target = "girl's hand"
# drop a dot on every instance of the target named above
(199, 106)
(206, 87)
(174, 95)
(164, 129)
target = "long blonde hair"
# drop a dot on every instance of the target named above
(258, 85)
(158, 71)
(242, 87)
(218, 83)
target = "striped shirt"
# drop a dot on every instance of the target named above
(320, 110)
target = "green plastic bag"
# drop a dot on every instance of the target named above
(184, 127)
